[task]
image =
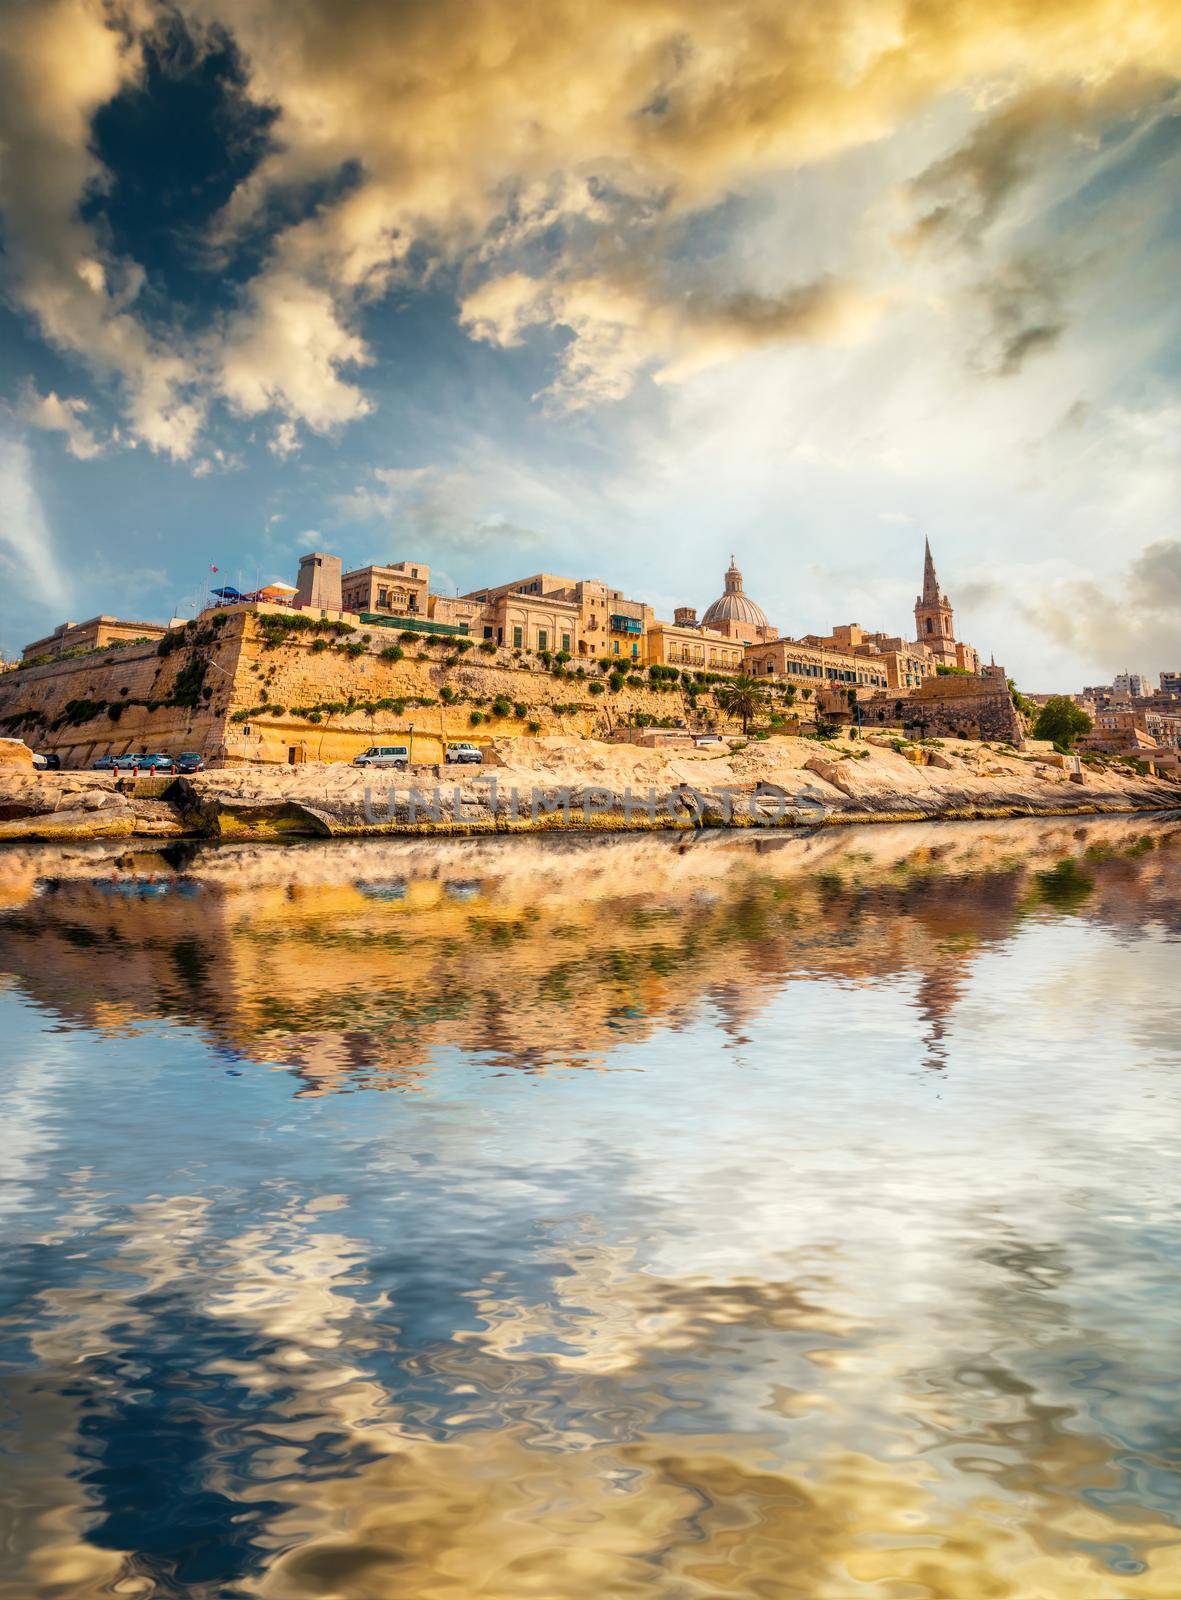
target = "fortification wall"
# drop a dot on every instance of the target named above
(111, 701)
(325, 698)
(249, 685)
(954, 706)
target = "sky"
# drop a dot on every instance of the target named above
(607, 289)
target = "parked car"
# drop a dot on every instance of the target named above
(384, 755)
(190, 761)
(103, 764)
(156, 763)
(463, 752)
(127, 763)
(46, 761)
(710, 741)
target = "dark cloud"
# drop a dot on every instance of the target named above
(1022, 307)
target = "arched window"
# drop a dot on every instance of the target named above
(928, 625)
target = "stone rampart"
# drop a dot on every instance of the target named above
(256, 684)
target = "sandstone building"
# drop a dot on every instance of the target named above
(96, 634)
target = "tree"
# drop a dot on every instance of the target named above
(1061, 721)
(742, 697)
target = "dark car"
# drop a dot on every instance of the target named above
(190, 761)
(156, 763)
(46, 761)
(458, 754)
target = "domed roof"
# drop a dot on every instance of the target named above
(734, 605)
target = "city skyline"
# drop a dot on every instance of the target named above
(436, 283)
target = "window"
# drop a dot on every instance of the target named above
(615, 646)
(487, 633)
(928, 625)
(518, 638)
(566, 642)
(542, 639)
(635, 652)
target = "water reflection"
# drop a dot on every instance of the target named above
(768, 1217)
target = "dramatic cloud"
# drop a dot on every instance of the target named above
(624, 326)
(442, 132)
(59, 62)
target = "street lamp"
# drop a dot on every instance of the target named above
(410, 755)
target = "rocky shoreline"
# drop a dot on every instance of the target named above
(535, 785)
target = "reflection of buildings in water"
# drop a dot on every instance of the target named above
(352, 964)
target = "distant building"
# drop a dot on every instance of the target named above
(93, 635)
(1130, 685)
(1170, 682)
(905, 664)
(814, 666)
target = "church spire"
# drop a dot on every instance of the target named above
(931, 595)
(933, 618)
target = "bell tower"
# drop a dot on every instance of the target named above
(933, 618)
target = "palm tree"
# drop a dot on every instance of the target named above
(742, 697)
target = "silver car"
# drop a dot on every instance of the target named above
(384, 755)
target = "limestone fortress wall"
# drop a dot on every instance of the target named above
(257, 684)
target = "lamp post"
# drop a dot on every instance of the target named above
(410, 757)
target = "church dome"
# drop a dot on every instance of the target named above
(734, 605)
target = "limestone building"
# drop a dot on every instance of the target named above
(400, 589)
(905, 664)
(96, 634)
(813, 666)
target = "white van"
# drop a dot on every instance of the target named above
(384, 755)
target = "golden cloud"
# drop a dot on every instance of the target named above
(475, 132)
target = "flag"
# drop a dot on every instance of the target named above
(213, 569)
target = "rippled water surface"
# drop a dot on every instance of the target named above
(751, 1217)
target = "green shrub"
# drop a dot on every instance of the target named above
(595, 688)
(392, 652)
(533, 727)
(501, 706)
(190, 680)
(447, 694)
(488, 647)
(476, 718)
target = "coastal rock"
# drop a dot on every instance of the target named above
(106, 823)
(550, 783)
(15, 755)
